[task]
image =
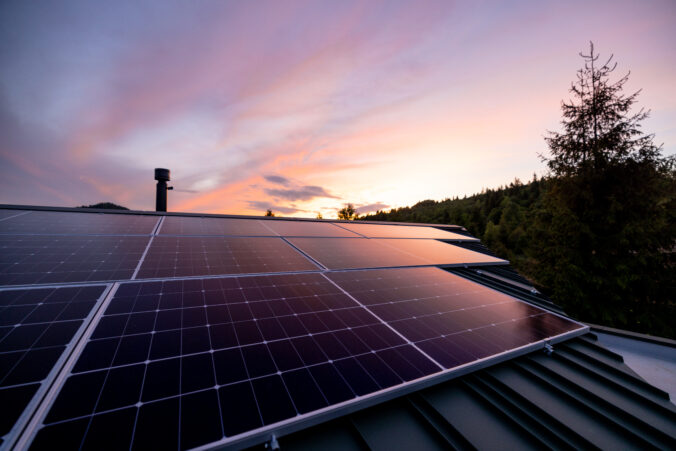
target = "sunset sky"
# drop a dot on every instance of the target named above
(302, 106)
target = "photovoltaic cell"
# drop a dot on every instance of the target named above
(35, 327)
(376, 253)
(182, 256)
(455, 321)
(31, 259)
(188, 225)
(307, 228)
(402, 231)
(197, 361)
(57, 223)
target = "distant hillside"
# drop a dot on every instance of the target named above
(105, 206)
(509, 220)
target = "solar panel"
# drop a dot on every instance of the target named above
(57, 222)
(376, 253)
(307, 228)
(32, 259)
(35, 328)
(193, 358)
(188, 225)
(182, 256)
(402, 231)
(186, 363)
(455, 321)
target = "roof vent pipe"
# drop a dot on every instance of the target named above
(162, 177)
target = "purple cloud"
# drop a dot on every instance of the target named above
(264, 206)
(277, 179)
(304, 193)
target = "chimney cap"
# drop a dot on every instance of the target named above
(162, 174)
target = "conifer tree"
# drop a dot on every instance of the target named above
(348, 213)
(598, 127)
(604, 238)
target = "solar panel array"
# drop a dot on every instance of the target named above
(139, 331)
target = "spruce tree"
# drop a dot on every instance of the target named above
(604, 238)
(599, 129)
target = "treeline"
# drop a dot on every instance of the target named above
(500, 217)
(628, 291)
(105, 206)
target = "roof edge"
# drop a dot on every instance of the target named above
(633, 335)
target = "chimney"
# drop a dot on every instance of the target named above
(162, 177)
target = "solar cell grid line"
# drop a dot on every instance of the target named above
(403, 231)
(6, 214)
(43, 259)
(79, 223)
(380, 318)
(300, 251)
(36, 328)
(145, 252)
(215, 359)
(452, 319)
(185, 256)
(288, 228)
(206, 226)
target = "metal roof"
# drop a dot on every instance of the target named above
(579, 396)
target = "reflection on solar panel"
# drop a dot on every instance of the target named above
(183, 364)
(187, 225)
(307, 228)
(31, 259)
(35, 327)
(440, 253)
(57, 222)
(376, 253)
(346, 253)
(453, 320)
(396, 231)
(182, 256)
